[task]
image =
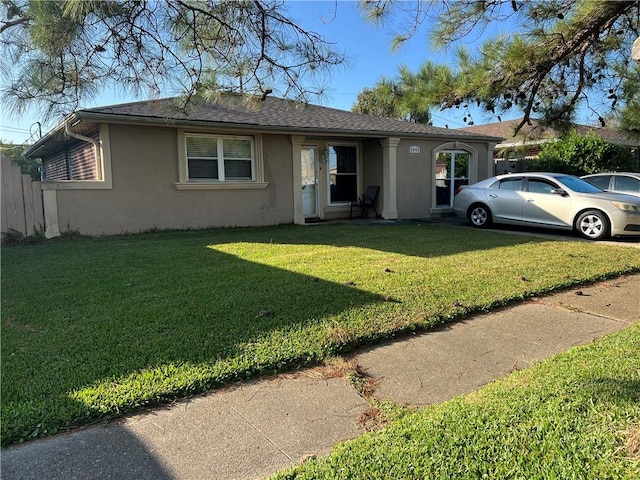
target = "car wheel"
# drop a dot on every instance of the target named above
(593, 225)
(479, 215)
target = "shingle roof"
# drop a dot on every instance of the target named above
(534, 132)
(239, 111)
(272, 113)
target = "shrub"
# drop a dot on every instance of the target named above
(582, 155)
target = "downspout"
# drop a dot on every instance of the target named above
(93, 141)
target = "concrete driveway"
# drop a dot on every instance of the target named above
(633, 241)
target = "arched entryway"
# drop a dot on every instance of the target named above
(454, 165)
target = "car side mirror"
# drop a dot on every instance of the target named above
(559, 191)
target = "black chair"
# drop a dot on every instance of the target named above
(368, 200)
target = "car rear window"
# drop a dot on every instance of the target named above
(626, 184)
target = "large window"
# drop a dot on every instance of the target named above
(343, 173)
(219, 158)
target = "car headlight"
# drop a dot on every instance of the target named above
(627, 207)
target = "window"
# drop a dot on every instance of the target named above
(626, 184)
(343, 173)
(601, 182)
(219, 158)
(76, 161)
(540, 186)
(508, 184)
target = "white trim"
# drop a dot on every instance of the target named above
(74, 185)
(221, 185)
(390, 177)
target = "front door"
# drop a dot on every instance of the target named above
(309, 182)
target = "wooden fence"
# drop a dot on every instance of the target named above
(22, 209)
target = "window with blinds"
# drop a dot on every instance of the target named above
(76, 161)
(219, 158)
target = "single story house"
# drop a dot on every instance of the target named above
(240, 161)
(512, 153)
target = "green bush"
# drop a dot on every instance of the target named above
(582, 155)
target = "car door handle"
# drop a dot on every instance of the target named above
(530, 200)
(493, 195)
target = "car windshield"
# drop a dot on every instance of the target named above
(578, 185)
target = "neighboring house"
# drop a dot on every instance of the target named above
(241, 162)
(511, 155)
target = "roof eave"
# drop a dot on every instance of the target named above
(33, 150)
(173, 122)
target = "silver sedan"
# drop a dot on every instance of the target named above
(550, 200)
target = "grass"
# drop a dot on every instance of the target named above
(576, 415)
(96, 327)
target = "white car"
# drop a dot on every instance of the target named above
(550, 200)
(621, 182)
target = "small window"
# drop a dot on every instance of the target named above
(626, 184)
(217, 158)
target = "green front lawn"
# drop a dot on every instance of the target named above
(93, 328)
(574, 416)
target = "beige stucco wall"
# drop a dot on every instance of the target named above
(144, 165)
(415, 174)
(142, 168)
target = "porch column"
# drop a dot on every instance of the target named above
(296, 153)
(389, 178)
(50, 206)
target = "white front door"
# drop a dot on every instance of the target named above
(309, 169)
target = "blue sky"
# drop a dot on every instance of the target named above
(367, 47)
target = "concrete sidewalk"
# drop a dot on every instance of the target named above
(256, 428)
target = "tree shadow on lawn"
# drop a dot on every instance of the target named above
(610, 390)
(110, 342)
(128, 332)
